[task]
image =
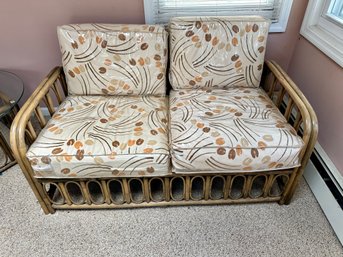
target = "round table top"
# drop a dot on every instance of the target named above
(11, 90)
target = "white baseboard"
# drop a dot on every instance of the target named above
(326, 200)
(334, 173)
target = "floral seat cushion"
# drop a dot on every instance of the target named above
(104, 136)
(238, 129)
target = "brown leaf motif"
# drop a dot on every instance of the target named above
(198, 24)
(122, 37)
(235, 28)
(46, 160)
(239, 150)
(115, 143)
(104, 44)
(254, 153)
(150, 169)
(189, 33)
(65, 171)
(80, 154)
(221, 151)
(57, 150)
(144, 46)
(232, 154)
(262, 145)
(75, 45)
(70, 142)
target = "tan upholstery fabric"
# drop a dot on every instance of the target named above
(111, 59)
(104, 136)
(217, 51)
(238, 129)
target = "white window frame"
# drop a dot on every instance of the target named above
(322, 31)
(280, 26)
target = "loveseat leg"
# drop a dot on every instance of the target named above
(45, 204)
(290, 189)
(38, 190)
(286, 199)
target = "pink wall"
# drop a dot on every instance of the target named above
(28, 42)
(280, 46)
(321, 80)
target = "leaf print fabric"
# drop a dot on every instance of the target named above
(217, 52)
(113, 59)
(104, 136)
(232, 130)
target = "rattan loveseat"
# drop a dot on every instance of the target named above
(233, 129)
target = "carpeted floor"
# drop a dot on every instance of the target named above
(299, 229)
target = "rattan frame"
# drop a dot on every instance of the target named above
(280, 88)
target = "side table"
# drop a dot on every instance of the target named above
(11, 91)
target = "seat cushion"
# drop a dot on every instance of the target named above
(104, 136)
(217, 52)
(114, 59)
(229, 131)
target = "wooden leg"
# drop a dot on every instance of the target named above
(291, 186)
(288, 197)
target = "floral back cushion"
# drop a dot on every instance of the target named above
(217, 52)
(113, 59)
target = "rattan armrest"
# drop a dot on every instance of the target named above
(297, 110)
(24, 133)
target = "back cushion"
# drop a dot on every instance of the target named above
(217, 51)
(112, 59)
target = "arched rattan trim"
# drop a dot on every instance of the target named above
(110, 192)
(79, 187)
(141, 189)
(262, 189)
(277, 184)
(91, 194)
(212, 187)
(183, 188)
(233, 180)
(163, 190)
(203, 188)
(57, 188)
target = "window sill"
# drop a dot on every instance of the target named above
(323, 37)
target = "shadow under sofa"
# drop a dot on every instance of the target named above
(233, 129)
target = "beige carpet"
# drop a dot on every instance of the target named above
(299, 229)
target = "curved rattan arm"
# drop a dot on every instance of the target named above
(307, 122)
(313, 132)
(23, 131)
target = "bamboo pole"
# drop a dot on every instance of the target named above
(85, 191)
(106, 192)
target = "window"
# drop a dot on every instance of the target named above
(160, 11)
(335, 11)
(323, 27)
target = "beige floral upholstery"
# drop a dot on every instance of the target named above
(104, 136)
(112, 59)
(217, 51)
(232, 130)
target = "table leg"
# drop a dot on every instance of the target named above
(9, 158)
(8, 119)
